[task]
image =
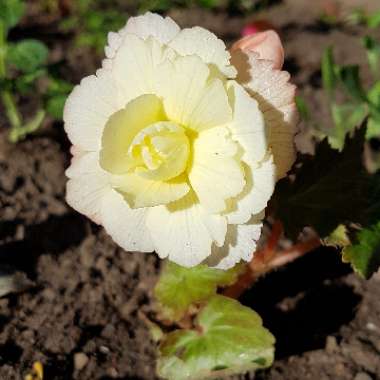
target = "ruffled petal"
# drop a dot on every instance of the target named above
(205, 45)
(87, 186)
(126, 226)
(240, 244)
(215, 173)
(190, 97)
(144, 26)
(152, 25)
(260, 182)
(134, 67)
(184, 232)
(275, 95)
(88, 108)
(142, 192)
(247, 126)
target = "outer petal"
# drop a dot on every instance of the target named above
(126, 226)
(144, 26)
(247, 126)
(87, 186)
(142, 192)
(184, 232)
(134, 67)
(275, 95)
(190, 98)
(88, 108)
(89, 191)
(260, 182)
(205, 45)
(240, 244)
(152, 25)
(215, 173)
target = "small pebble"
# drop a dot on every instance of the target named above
(80, 361)
(362, 376)
(371, 326)
(104, 350)
(331, 344)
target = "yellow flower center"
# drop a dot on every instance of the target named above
(160, 151)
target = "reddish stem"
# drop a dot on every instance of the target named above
(269, 258)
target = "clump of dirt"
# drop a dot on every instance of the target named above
(82, 317)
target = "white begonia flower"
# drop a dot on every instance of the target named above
(177, 145)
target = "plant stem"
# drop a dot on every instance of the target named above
(268, 259)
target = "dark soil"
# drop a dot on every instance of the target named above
(81, 318)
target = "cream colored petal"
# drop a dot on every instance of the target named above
(190, 98)
(144, 26)
(205, 45)
(152, 25)
(275, 95)
(215, 174)
(260, 182)
(123, 126)
(184, 232)
(247, 126)
(88, 108)
(126, 226)
(142, 192)
(87, 186)
(240, 244)
(134, 67)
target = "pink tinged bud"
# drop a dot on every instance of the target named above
(267, 44)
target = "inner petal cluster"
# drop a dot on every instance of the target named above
(160, 151)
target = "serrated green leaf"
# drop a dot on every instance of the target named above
(364, 256)
(338, 238)
(178, 287)
(346, 118)
(55, 105)
(11, 12)
(28, 55)
(329, 189)
(229, 338)
(328, 68)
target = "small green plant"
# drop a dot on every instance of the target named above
(22, 63)
(91, 21)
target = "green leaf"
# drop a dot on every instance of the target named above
(25, 83)
(373, 129)
(328, 68)
(364, 256)
(346, 118)
(338, 238)
(55, 104)
(373, 21)
(302, 108)
(178, 287)
(28, 55)
(350, 78)
(329, 189)
(228, 338)
(373, 54)
(11, 12)
(58, 86)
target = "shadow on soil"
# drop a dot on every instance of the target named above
(305, 302)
